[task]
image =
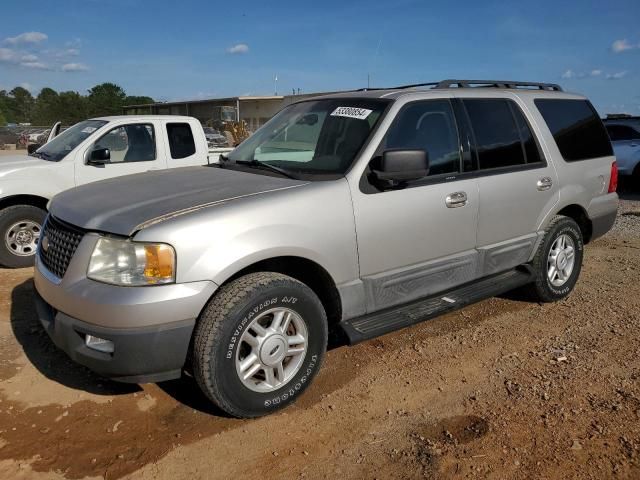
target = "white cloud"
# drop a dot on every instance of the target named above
(34, 65)
(620, 46)
(74, 67)
(27, 37)
(238, 48)
(29, 58)
(568, 74)
(617, 75)
(596, 73)
(27, 86)
(7, 55)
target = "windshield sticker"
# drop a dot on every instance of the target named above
(351, 112)
(89, 130)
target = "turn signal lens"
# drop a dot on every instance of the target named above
(160, 263)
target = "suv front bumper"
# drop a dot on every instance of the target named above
(150, 327)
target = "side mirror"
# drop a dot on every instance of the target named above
(400, 166)
(99, 156)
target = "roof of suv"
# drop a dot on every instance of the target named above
(526, 88)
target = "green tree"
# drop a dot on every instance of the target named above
(106, 99)
(72, 107)
(138, 100)
(23, 104)
(47, 107)
(3, 120)
(5, 106)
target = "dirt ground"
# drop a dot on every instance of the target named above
(504, 389)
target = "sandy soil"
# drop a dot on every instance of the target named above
(503, 389)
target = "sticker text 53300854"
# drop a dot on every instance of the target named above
(351, 112)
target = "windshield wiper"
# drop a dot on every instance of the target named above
(40, 155)
(267, 166)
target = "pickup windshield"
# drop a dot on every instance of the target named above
(59, 147)
(317, 137)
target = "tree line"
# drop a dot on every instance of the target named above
(20, 106)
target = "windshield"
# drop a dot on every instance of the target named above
(313, 137)
(59, 147)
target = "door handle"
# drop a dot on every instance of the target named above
(456, 199)
(544, 183)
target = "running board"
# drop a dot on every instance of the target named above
(385, 321)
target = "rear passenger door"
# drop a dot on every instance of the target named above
(517, 186)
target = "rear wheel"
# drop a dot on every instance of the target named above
(558, 261)
(20, 228)
(259, 343)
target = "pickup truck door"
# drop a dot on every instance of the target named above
(420, 239)
(133, 148)
(517, 186)
(185, 144)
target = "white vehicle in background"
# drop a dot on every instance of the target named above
(89, 151)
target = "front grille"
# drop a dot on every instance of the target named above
(58, 243)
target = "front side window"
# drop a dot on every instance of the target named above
(428, 126)
(181, 143)
(60, 146)
(129, 143)
(497, 135)
(313, 137)
(576, 128)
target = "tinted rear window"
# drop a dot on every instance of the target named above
(576, 128)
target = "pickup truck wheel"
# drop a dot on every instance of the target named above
(558, 261)
(259, 343)
(20, 227)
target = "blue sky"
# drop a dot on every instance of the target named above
(196, 49)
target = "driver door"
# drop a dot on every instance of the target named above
(419, 239)
(133, 149)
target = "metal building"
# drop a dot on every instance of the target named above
(254, 110)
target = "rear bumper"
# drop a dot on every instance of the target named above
(141, 355)
(602, 212)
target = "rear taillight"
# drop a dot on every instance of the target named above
(613, 179)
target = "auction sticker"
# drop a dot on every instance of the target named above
(351, 112)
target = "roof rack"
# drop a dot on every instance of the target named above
(478, 84)
(498, 84)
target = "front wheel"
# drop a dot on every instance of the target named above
(259, 343)
(558, 261)
(20, 228)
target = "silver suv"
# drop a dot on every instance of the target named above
(364, 212)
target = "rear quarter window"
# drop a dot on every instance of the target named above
(181, 141)
(576, 128)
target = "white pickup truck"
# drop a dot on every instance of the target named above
(91, 150)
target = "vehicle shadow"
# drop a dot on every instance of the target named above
(46, 357)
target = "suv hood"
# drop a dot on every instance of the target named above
(127, 204)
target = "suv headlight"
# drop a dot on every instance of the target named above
(127, 263)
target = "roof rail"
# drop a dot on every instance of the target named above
(554, 87)
(497, 84)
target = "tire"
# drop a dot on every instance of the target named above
(229, 319)
(13, 220)
(543, 289)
